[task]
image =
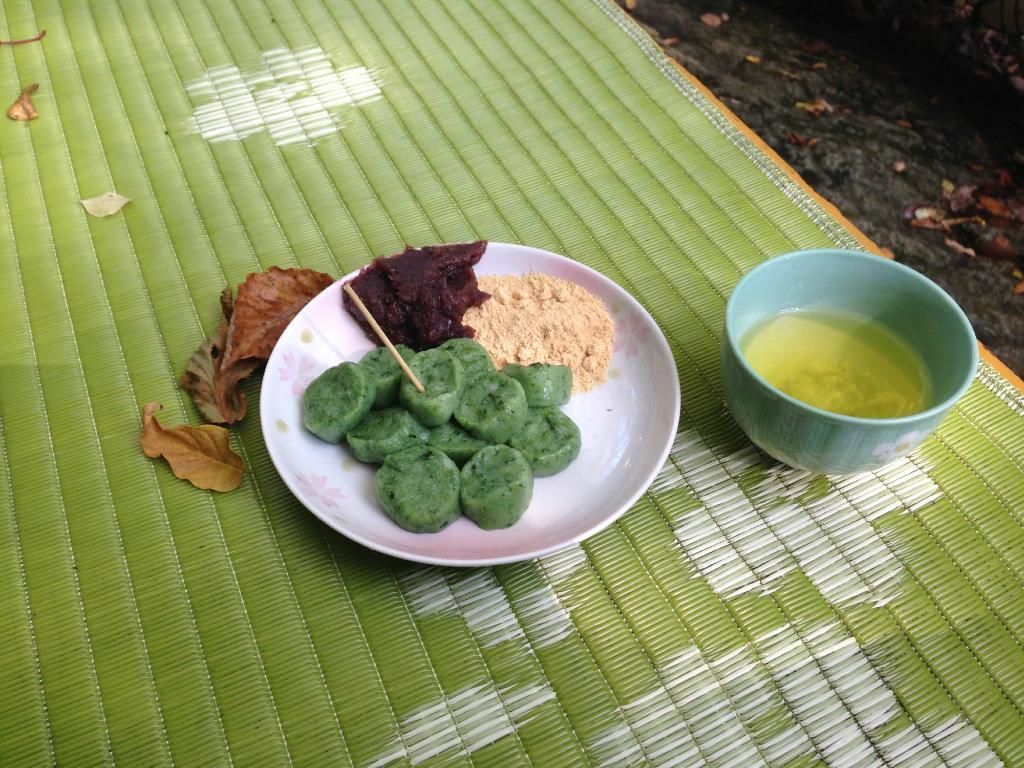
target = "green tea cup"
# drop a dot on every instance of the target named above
(905, 302)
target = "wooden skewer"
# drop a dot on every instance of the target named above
(383, 337)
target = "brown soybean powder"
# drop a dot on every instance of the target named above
(540, 319)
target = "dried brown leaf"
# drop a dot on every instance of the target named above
(995, 206)
(815, 108)
(23, 108)
(816, 47)
(1018, 289)
(252, 324)
(996, 246)
(963, 250)
(202, 455)
(899, 166)
(904, 124)
(797, 140)
(819, 65)
(713, 20)
(200, 376)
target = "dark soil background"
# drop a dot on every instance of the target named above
(923, 148)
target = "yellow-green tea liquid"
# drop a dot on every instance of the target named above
(839, 362)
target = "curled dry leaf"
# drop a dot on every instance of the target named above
(963, 250)
(713, 20)
(815, 108)
(202, 455)
(23, 108)
(252, 324)
(106, 204)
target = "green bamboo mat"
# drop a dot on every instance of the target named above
(740, 614)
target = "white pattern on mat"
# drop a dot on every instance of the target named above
(740, 550)
(293, 96)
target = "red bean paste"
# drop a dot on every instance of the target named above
(419, 296)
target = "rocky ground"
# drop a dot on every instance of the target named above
(925, 159)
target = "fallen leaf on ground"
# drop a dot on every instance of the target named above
(925, 217)
(752, 59)
(963, 250)
(1018, 274)
(713, 20)
(200, 376)
(106, 204)
(797, 140)
(789, 75)
(996, 247)
(962, 198)
(904, 124)
(34, 39)
(23, 108)
(815, 46)
(819, 65)
(815, 108)
(947, 187)
(252, 324)
(1018, 289)
(995, 206)
(899, 166)
(202, 455)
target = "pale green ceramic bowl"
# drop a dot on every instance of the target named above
(906, 302)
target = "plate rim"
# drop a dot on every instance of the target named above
(532, 554)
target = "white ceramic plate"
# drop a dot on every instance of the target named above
(627, 426)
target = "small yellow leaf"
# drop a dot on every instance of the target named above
(23, 108)
(752, 59)
(106, 204)
(948, 187)
(202, 455)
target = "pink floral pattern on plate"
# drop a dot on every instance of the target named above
(298, 369)
(631, 333)
(316, 488)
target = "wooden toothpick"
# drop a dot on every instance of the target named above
(383, 337)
